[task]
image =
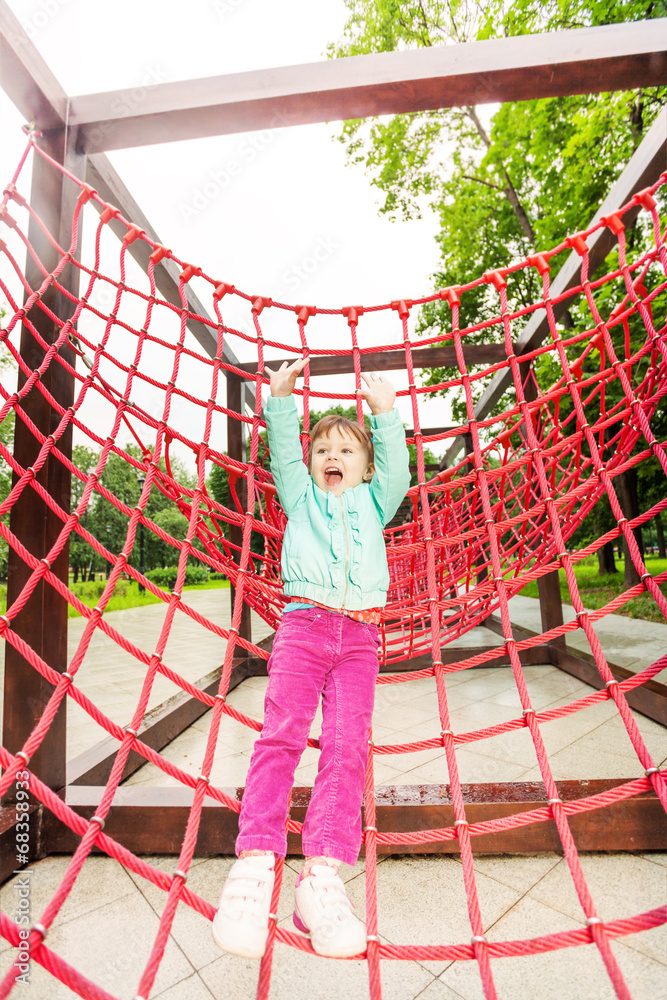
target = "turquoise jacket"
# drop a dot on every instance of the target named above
(333, 550)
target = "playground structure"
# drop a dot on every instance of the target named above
(482, 528)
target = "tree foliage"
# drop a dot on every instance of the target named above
(506, 184)
(503, 188)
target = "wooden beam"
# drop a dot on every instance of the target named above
(643, 170)
(29, 83)
(533, 656)
(585, 60)
(650, 699)
(9, 856)
(160, 726)
(26, 78)
(548, 586)
(236, 449)
(42, 621)
(108, 184)
(425, 357)
(153, 820)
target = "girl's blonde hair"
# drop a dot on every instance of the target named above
(334, 421)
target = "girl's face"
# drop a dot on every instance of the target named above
(338, 462)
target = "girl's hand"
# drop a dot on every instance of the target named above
(379, 393)
(284, 380)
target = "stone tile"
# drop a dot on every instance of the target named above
(297, 975)
(472, 767)
(491, 685)
(646, 978)
(41, 984)
(422, 900)
(190, 930)
(576, 973)
(188, 989)
(100, 882)
(559, 733)
(111, 946)
(545, 692)
(596, 761)
(616, 735)
(479, 715)
(621, 885)
(515, 747)
(400, 717)
(408, 761)
(519, 872)
(658, 858)
(438, 990)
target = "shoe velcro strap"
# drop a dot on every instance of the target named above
(254, 875)
(249, 892)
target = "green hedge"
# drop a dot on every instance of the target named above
(166, 576)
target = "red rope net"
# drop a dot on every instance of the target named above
(474, 534)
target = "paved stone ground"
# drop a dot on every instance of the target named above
(107, 926)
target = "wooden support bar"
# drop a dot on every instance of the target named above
(548, 587)
(9, 856)
(160, 726)
(26, 78)
(533, 656)
(152, 820)
(425, 357)
(650, 699)
(42, 622)
(108, 184)
(585, 60)
(551, 605)
(236, 449)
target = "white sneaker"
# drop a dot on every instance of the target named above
(241, 925)
(322, 909)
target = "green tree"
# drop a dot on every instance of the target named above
(82, 556)
(505, 186)
(500, 189)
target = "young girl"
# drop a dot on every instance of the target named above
(334, 568)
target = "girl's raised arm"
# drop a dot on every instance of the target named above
(290, 475)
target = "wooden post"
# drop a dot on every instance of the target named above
(42, 623)
(480, 561)
(548, 587)
(236, 449)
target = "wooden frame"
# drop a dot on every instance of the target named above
(638, 823)
(588, 60)
(75, 130)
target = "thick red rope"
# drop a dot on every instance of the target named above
(475, 534)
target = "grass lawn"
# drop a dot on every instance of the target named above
(126, 595)
(596, 591)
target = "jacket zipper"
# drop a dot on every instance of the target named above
(347, 551)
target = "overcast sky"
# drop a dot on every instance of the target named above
(290, 198)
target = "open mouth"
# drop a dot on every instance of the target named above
(333, 476)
